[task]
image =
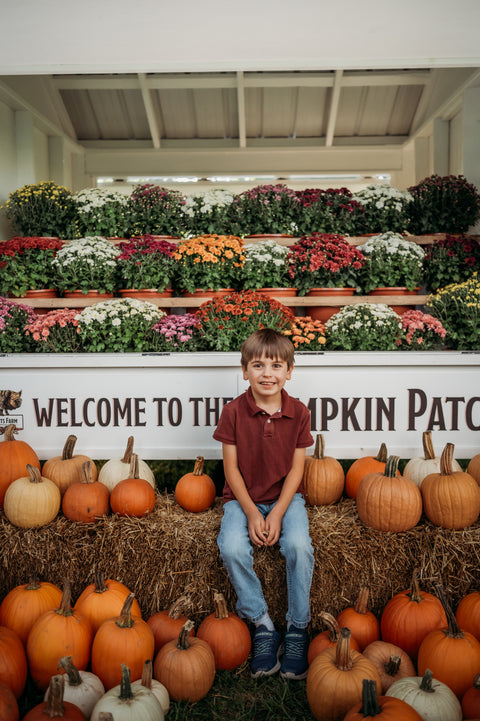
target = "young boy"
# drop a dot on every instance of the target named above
(264, 433)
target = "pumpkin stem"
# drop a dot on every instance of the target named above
(34, 473)
(68, 448)
(125, 685)
(319, 452)
(415, 594)
(99, 582)
(9, 431)
(105, 716)
(362, 600)
(125, 619)
(426, 683)
(343, 657)
(175, 610)
(133, 471)
(370, 705)
(74, 678)
(33, 584)
(332, 626)
(198, 468)
(392, 665)
(446, 460)
(391, 466)
(428, 451)
(382, 454)
(221, 610)
(128, 451)
(184, 634)
(65, 608)
(87, 476)
(54, 707)
(147, 674)
(454, 630)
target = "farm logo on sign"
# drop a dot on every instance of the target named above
(9, 402)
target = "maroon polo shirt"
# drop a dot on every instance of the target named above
(265, 444)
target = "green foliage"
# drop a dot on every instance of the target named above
(443, 204)
(101, 212)
(156, 210)
(457, 306)
(364, 327)
(87, 264)
(452, 259)
(42, 209)
(14, 318)
(392, 261)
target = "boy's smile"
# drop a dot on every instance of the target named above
(267, 377)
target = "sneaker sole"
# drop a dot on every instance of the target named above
(270, 671)
(290, 676)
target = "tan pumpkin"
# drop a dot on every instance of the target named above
(451, 499)
(387, 501)
(391, 662)
(32, 501)
(67, 469)
(474, 467)
(417, 468)
(117, 469)
(323, 476)
(81, 688)
(14, 457)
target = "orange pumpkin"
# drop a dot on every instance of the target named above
(13, 661)
(362, 467)
(104, 599)
(57, 633)
(227, 635)
(55, 706)
(451, 499)
(474, 467)
(471, 699)
(195, 491)
(453, 655)
(328, 638)
(467, 613)
(383, 708)
(8, 704)
(391, 662)
(409, 616)
(124, 639)
(133, 496)
(67, 469)
(323, 477)
(363, 624)
(334, 680)
(186, 667)
(167, 624)
(86, 500)
(14, 457)
(24, 604)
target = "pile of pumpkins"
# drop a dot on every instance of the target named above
(32, 495)
(136, 666)
(387, 500)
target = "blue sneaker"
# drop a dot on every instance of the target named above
(267, 648)
(295, 659)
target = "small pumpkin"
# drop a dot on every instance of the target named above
(117, 469)
(122, 639)
(452, 654)
(362, 467)
(383, 708)
(391, 662)
(32, 501)
(67, 469)
(25, 603)
(15, 455)
(85, 501)
(134, 496)
(195, 491)
(417, 468)
(363, 624)
(186, 667)
(55, 706)
(409, 616)
(13, 661)
(328, 638)
(471, 700)
(226, 634)
(81, 688)
(157, 688)
(474, 467)
(167, 624)
(451, 499)
(387, 501)
(467, 613)
(323, 476)
(8, 704)
(433, 700)
(104, 599)
(128, 702)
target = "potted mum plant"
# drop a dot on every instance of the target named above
(208, 262)
(120, 325)
(266, 209)
(265, 266)
(146, 265)
(101, 211)
(56, 332)
(176, 334)
(421, 331)
(457, 306)
(307, 334)
(26, 265)
(42, 209)
(14, 317)
(448, 204)
(208, 212)
(330, 211)
(452, 259)
(385, 209)
(392, 262)
(86, 265)
(155, 210)
(364, 327)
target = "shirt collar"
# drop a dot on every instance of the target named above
(287, 404)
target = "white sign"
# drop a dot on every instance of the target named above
(171, 403)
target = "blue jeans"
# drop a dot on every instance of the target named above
(236, 552)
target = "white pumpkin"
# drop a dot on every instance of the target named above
(118, 469)
(81, 688)
(432, 699)
(418, 468)
(157, 688)
(129, 702)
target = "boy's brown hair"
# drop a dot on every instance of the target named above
(270, 343)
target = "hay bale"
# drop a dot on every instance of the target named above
(172, 552)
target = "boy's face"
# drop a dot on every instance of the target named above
(267, 376)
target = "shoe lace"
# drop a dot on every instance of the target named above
(263, 644)
(294, 645)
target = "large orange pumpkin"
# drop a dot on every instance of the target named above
(167, 624)
(104, 599)
(86, 500)
(362, 467)
(125, 639)
(363, 624)
(13, 661)
(14, 457)
(383, 708)
(57, 633)
(467, 613)
(323, 476)
(133, 496)
(24, 604)
(195, 491)
(227, 635)
(67, 469)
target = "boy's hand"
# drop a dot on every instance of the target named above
(273, 524)
(257, 529)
